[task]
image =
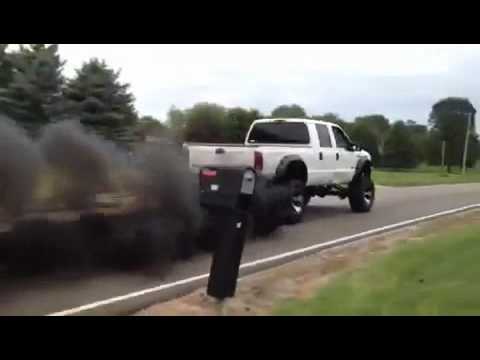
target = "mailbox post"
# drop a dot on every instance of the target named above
(231, 191)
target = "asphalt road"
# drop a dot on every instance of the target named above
(326, 219)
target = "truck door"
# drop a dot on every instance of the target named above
(345, 159)
(322, 171)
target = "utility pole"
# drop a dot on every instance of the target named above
(443, 154)
(465, 149)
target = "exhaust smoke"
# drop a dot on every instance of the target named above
(81, 161)
(20, 166)
(161, 226)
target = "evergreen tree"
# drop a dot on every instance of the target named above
(96, 97)
(32, 93)
(5, 67)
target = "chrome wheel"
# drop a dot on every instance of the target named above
(297, 203)
(368, 196)
(368, 192)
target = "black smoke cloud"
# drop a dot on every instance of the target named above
(82, 161)
(169, 188)
(161, 229)
(20, 166)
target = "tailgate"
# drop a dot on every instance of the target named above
(220, 156)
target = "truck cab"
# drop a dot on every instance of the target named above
(327, 151)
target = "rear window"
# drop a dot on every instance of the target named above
(279, 133)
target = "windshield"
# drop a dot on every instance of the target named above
(279, 133)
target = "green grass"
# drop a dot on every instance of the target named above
(424, 176)
(438, 276)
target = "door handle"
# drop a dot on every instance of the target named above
(320, 156)
(338, 156)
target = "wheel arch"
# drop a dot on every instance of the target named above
(363, 165)
(291, 167)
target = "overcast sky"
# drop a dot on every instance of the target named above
(399, 81)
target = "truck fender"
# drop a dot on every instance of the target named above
(284, 164)
(362, 165)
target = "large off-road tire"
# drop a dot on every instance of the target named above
(297, 203)
(361, 193)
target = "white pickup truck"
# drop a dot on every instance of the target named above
(313, 158)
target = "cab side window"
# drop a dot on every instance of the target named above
(340, 138)
(323, 136)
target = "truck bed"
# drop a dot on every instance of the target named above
(240, 155)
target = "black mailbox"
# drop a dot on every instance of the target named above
(227, 188)
(230, 190)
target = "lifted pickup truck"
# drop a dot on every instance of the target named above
(312, 158)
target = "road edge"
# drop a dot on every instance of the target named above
(131, 302)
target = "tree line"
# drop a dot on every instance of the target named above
(34, 92)
(397, 144)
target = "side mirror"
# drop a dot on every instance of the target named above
(354, 147)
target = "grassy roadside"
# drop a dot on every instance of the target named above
(435, 276)
(424, 176)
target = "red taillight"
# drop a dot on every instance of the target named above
(209, 173)
(258, 162)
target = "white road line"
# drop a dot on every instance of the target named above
(320, 246)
